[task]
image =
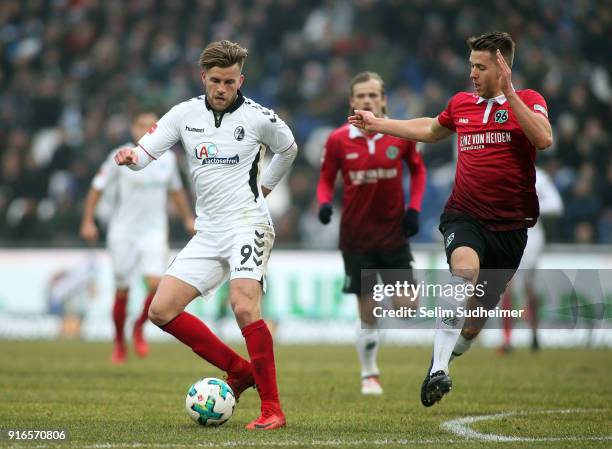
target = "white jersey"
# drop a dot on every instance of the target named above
(548, 195)
(141, 197)
(550, 204)
(225, 153)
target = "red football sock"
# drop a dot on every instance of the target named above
(194, 333)
(261, 350)
(144, 316)
(119, 314)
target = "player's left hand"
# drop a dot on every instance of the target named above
(410, 222)
(505, 74)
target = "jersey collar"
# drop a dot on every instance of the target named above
(500, 99)
(355, 133)
(232, 107)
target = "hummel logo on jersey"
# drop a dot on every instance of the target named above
(463, 120)
(194, 130)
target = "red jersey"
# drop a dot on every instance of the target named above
(373, 203)
(495, 178)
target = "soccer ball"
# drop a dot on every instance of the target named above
(210, 402)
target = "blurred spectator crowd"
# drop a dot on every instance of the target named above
(72, 73)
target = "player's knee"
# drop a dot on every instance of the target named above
(246, 312)
(158, 314)
(246, 308)
(470, 333)
(155, 316)
(465, 263)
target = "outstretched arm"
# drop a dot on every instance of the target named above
(425, 129)
(535, 126)
(135, 158)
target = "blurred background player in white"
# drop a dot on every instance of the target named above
(225, 136)
(551, 205)
(139, 209)
(376, 222)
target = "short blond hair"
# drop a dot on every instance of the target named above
(222, 54)
(366, 76)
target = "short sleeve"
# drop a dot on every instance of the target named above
(446, 116)
(163, 134)
(107, 173)
(535, 102)
(275, 134)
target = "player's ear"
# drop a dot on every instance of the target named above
(203, 76)
(240, 81)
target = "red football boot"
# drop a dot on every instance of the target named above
(268, 420)
(140, 344)
(119, 354)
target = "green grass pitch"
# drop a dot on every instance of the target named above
(564, 396)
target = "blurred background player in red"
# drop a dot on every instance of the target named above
(376, 222)
(139, 210)
(551, 204)
(493, 201)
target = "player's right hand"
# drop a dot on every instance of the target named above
(362, 119)
(325, 213)
(89, 231)
(126, 156)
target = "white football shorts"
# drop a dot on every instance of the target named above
(147, 256)
(211, 257)
(534, 248)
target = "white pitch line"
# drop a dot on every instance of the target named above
(229, 444)
(461, 426)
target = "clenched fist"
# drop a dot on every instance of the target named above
(126, 156)
(89, 231)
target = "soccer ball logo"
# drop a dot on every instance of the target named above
(210, 402)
